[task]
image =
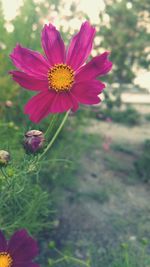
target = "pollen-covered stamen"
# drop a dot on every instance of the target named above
(60, 77)
(5, 259)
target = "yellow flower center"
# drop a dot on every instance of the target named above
(60, 77)
(5, 259)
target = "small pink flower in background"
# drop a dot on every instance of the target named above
(106, 146)
(107, 143)
(59, 77)
(108, 119)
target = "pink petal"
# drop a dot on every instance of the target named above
(29, 61)
(63, 102)
(22, 247)
(87, 92)
(53, 45)
(27, 264)
(47, 102)
(38, 107)
(29, 82)
(74, 102)
(80, 46)
(43, 104)
(98, 66)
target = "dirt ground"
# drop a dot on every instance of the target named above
(109, 205)
(118, 132)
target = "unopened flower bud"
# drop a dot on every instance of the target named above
(33, 141)
(4, 158)
(9, 103)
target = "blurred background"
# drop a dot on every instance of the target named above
(98, 173)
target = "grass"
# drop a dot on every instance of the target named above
(142, 165)
(92, 188)
(123, 147)
(116, 162)
(130, 116)
(100, 196)
(31, 196)
(127, 254)
(147, 117)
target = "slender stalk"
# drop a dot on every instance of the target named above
(70, 258)
(54, 117)
(59, 260)
(55, 135)
(81, 262)
(5, 175)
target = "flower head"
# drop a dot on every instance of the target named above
(19, 251)
(4, 157)
(9, 104)
(59, 77)
(33, 141)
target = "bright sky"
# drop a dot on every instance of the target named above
(10, 8)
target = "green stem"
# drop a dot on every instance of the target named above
(5, 175)
(126, 256)
(55, 135)
(59, 260)
(81, 262)
(54, 117)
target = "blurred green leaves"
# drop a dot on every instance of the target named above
(124, 31)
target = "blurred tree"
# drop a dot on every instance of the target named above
(5, 84)
(24, 24)
(2, 28)
(29, 22)
(125, 32)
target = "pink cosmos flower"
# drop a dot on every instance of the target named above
(59, 77)
(19, 251)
